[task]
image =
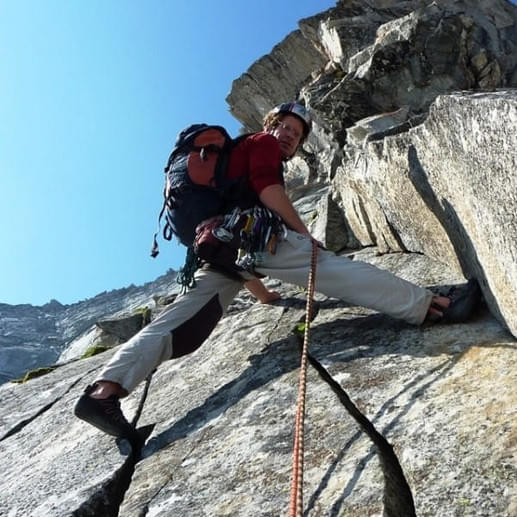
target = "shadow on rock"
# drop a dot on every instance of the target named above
(452, 225)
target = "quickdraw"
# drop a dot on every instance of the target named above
(259, 234)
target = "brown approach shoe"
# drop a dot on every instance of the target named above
(462, 307)
(106, 415)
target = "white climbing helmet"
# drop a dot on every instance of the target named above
(293, 108)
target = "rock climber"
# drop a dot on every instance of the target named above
(184, 325)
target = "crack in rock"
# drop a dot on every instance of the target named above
(398, 499)
(20, 425)
(144, 511)
(107, 499)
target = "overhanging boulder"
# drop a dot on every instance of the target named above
(447, 189)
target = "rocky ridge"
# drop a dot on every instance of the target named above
(32, 337)
(416, 175)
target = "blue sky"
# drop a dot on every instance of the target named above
(92, 95)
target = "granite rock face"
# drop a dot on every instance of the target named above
(271, 77)
(29, 337)
(222, 419)
(412, 117)
(447, 189)
(402, 170)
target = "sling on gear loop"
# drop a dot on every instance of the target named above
(296, 500)
(185, 276)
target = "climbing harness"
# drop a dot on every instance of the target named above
(261, 230)
(296, 504)
(234, 242)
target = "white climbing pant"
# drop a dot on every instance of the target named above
(183, 326)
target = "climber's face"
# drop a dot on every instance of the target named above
(289, 133)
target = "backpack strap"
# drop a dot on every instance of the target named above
(224, 159)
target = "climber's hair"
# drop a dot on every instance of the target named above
(272, 120)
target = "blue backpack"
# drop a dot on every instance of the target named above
(196, 184)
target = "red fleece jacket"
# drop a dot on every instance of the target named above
(259, 158)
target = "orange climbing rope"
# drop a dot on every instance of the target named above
(296, 499)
